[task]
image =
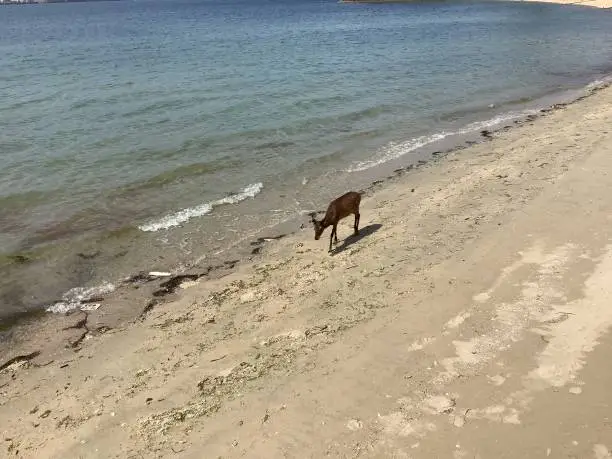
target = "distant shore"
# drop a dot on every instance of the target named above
(592, 3)
(37, 2)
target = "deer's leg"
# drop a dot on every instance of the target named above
(331, 237)
(357, 223)
(335, 234)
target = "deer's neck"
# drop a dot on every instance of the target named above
(327, 221)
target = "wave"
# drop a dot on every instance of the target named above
(184, 215)
(396, 150)
(599, 83)
(81, 298)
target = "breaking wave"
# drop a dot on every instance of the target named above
(396, 150)
(184, 215)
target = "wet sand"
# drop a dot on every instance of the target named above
(470, 318)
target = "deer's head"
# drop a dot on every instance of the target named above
(318, 227)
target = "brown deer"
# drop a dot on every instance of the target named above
(338, 209)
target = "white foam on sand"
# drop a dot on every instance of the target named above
(77, 298)
(599, 83)
(396, 150)
(184, 215)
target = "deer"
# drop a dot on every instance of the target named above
(338, 209)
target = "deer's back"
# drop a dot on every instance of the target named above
(343, 206)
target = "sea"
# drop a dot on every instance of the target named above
(159, 135)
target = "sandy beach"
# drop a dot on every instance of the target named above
(469, 319)
(592, 3)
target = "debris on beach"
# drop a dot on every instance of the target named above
(258, 244)
(173, 283)
(89, 256)
(19, 259)
(80, 324)
(142, 277)
(149, 306)
(87, 332)
(19, 360)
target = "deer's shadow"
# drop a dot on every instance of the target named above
(352, 239)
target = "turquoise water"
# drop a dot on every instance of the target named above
(183, 126)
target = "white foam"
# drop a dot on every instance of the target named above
(177, 218)
(184, 215)
(74, 298)
(249, 192)
(599, 83)
(397, 150)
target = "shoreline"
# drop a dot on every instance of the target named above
(140, 288)
(243, 248)
(82, 235)
(271, 343)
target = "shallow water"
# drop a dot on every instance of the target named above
(148, 134)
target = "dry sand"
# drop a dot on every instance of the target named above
(471, 319)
